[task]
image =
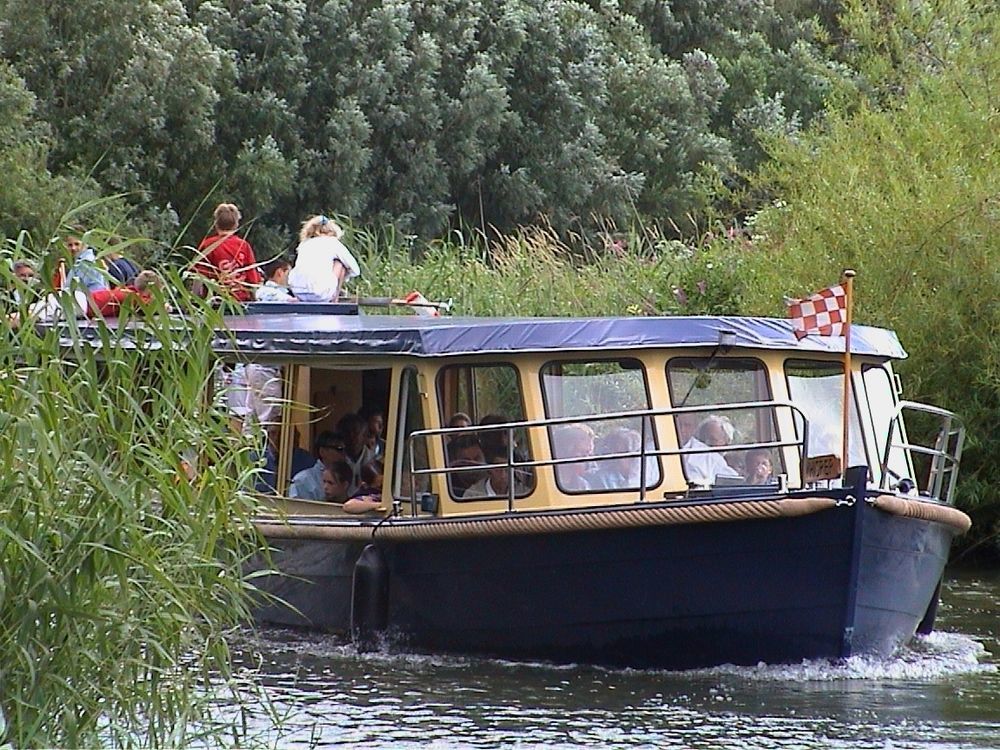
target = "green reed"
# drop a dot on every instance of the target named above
(121, 574)
(534, 273)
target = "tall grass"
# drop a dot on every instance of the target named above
(121, 574)
(533, 273)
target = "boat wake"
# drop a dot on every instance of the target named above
(927, 657)
(931, 657)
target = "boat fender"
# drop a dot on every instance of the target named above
(369, 599)
(926, 625)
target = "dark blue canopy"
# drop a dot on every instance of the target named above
(284, 334)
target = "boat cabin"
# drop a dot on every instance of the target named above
(578, 413)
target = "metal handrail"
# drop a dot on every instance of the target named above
(644, 452)
(943, 462)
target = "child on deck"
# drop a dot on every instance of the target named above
(227, 258)
(322, 263)
(275, 287)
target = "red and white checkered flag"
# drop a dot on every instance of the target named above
(823, 313)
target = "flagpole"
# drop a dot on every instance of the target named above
(848, 281)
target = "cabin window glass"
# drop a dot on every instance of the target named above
(489, 395)
(706, 384)
(817, 388)
(411, 453)
(881, 398)
(592, 389)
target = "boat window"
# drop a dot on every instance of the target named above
(590, 389)
(489, 395)
(817, 388)
(881, 398)
(708, 382)
(410, 419)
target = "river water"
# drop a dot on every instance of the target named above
(941, 692)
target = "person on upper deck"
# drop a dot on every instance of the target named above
(85, 273)
(703, 468)
(25, 282)
(322, 263)
(275, 286)
(226, 257)
(121, 269)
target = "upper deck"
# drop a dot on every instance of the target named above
(290, 334)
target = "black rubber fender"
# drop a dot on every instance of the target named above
(369, 599)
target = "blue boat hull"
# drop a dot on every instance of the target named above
(839, 582)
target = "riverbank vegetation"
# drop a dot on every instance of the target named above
(523, 158)
(122, 529)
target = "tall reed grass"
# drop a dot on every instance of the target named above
(534, 273)
(121, 573)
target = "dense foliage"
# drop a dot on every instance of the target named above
(426, 116)
(120, 573)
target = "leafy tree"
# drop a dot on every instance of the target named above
(32, 199)
(908, 196)
(128, 89)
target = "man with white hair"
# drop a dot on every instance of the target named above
(703, 468)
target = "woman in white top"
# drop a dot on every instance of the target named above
(322, 263)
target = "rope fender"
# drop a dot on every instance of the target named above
(925, 511)
(583, 520)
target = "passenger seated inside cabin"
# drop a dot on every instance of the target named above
(308, 484)
(573, 441)
(463, 451)
(617, 473)
(757, 466)
(496, 483)
(376, 425)
(275, 286)
(368, 498)
(703, 468)
(499, 439)
(266, 483)
(337, 482)
(460, 419)
(354, 430)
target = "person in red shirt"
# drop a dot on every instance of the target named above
(107, 303)
(227, 258)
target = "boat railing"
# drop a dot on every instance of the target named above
(944, 455)
(517, 466)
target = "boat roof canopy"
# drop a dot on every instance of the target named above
(422, 336)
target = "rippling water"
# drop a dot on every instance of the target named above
(941, 692)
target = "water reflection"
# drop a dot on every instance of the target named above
(943, 692)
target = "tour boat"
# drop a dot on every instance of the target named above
(622, 516)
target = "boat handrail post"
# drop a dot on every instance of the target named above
(510, 469)
(942, 460)
(642, 459)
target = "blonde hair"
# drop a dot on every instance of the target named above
(226, 217)
(318, 225)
